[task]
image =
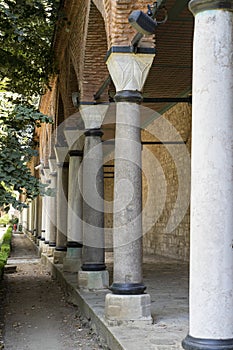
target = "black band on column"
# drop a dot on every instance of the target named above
(94, 132)
(197, 6)
(190, 343)
(42, 239)
(76, 153)
(63, 165)
(132, 96)
(72, 244)
(61, 249)
(46, 242)
(52, 244)
(93, 267)
(128, 288)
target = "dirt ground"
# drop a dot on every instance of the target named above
(35, 313)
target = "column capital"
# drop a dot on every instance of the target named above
(61, 154)
(197, 6)
(52, 165)
(74, 138)
(93, 115)
(129, 70)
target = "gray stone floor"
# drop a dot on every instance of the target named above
(167, 284)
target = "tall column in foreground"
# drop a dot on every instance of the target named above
(93, 274)
(128, 301)
(211, 261)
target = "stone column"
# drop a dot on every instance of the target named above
(128, 301)
(93, 274)
(72, 261)
(211, 261)
(43, 221)
(52, 207)
(38, 219)
(47, 209)
(62, 204)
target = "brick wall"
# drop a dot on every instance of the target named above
(166, 175)
(166, 184)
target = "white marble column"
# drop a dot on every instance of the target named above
(62, 203)
(211, 260)
(72, 261)
(93, 274)
(129, 72)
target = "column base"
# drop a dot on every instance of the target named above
(72, 262)
(191, 343)
(127, 308)
(41, 245)
(71, 265)
(50, 251)
(93, 280)
(58, 256)
(93, 267)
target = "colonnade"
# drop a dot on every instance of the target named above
(78, 242)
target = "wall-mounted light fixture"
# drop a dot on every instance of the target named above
(145, 23)
(142, 22)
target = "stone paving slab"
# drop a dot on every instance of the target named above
(167, 283)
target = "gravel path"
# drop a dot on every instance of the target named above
(37, 316)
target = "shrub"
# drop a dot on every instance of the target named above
(5, 250)
(4, 220)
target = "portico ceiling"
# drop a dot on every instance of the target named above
(171, 73)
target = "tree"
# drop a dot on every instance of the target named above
(26, 32)
(17, 146)
(26, 65)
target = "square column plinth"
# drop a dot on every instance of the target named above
(93, 280)
(58, 256)
(72, 262)
(127, 308)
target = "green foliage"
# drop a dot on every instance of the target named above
(5, 249)
(26, 32)
(18, 119)
(4, 220)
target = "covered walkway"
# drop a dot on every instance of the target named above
(167, 283)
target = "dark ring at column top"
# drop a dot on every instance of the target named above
(93, 132)
(190, 343)
(133, 96)
(197, 6)
(75, 153)
(63, 165)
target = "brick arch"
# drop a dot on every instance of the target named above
(115, 14)
(68, 83)
(60, 117)
(94, 70)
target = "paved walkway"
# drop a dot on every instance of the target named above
(167, 283)
(37, 315)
